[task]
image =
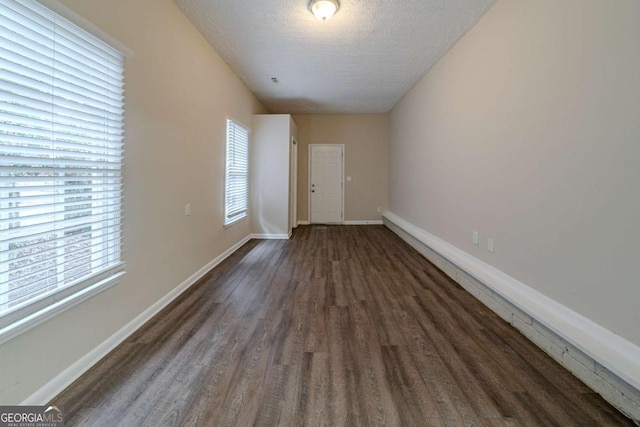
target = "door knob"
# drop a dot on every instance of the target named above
(313, 191)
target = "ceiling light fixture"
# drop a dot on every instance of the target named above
(324, 9)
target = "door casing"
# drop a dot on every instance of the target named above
(293, 183)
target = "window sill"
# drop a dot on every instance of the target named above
(235, 221)
(23, 325)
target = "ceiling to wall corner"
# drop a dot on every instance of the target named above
(364, 60)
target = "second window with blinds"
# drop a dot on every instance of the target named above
(236, 187)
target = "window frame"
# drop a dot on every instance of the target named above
(39, 309)
(227, 222)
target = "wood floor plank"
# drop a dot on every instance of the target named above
(338, 326)
(270, 412)
(410, 394)
(482, 399)
(346, 406)
(455, 409)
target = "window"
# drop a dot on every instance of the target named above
(236, 185)
(61, 137)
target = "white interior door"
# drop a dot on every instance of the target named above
(325, 184)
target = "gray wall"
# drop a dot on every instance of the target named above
(528, 131)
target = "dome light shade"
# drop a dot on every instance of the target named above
(324, 9)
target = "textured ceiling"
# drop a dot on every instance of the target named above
(362, 61)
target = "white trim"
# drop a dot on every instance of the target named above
(615, 353)
(366, 222)
(363, 222)
(73, 372)
(236, 221)
(86, 25)
(293, 181)
(271, 236)
(34, 319)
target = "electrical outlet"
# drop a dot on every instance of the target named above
(476, 238)
(490, 245)
(379, 209)
(187, 209)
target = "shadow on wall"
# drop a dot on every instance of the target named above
(295, 105)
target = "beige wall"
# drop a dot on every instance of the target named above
(366, 139)
(528, 131)
(178, 92)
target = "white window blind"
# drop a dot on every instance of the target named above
(61, 137)
(236, 194)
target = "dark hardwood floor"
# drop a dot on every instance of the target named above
(339, 326)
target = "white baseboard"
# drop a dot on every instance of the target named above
(271, 236)
(73, 372)
(606, 362)
(366, 222)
